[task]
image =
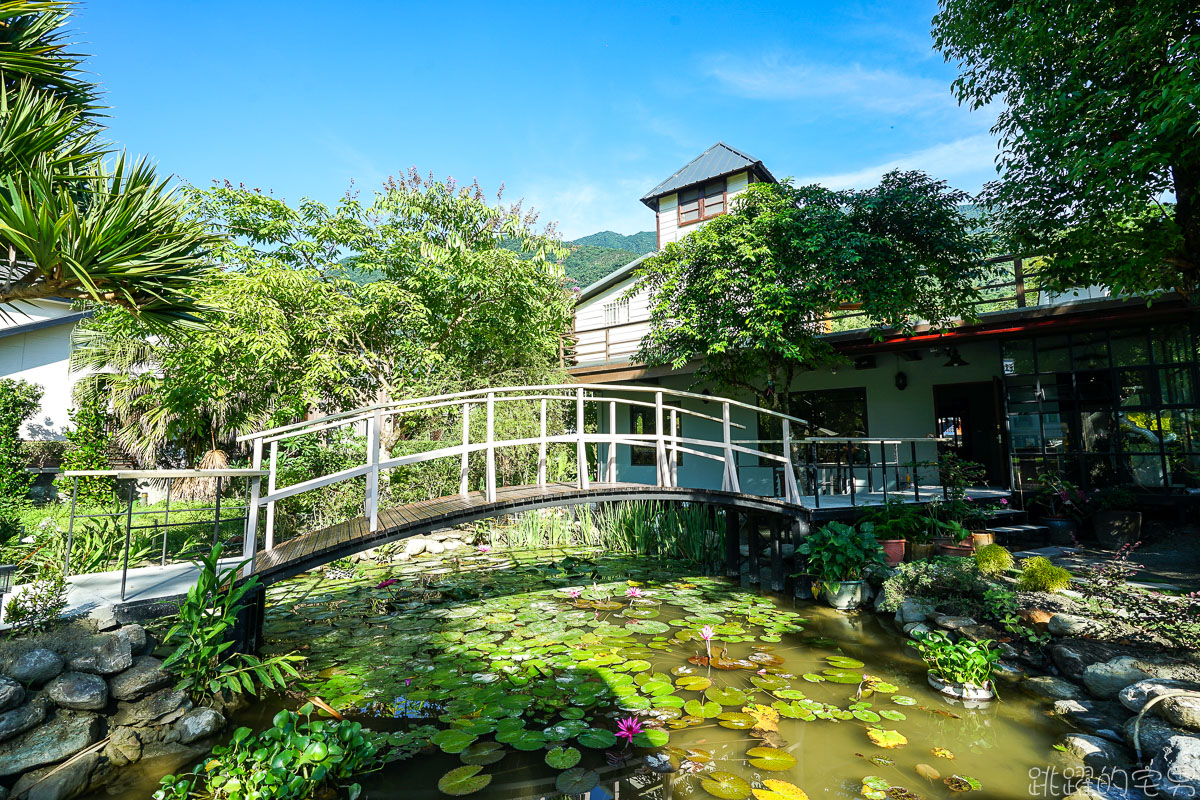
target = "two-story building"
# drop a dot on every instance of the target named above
(1101, 388)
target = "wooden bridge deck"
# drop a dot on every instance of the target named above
(346, 538)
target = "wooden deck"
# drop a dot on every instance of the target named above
(338, 541)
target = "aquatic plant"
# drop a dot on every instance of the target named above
(993, 559)
(1039, 574)
(1151, 614)
(629, 727)
(963, 662)
(706, 633)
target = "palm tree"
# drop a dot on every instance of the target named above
(78, 220)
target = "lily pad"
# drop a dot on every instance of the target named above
(463, 780)
(886, 738)
(736, 720)
(874, 787)
(779, 790)
(576, 780)
(562, 757)
(452, 740)
(962, 783)
(652, 737)
(771, 759)
(892, 714)
(903, 700)
(725, 785)
(482, 753)
(726, 697)
(597, 738)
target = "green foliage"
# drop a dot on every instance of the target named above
(18, 402)
(1097, 122)
(1154, 616)
(97, 545)
(964, 661)
(88, 449)
(38, 607)
(840, 552)
(1001, 605)
(91, 226)
(598, 255)
(992, 559)
(896, 519)
(954, 582)
(637, 243)
(1039, 575)
(296, 758)
(201, 638)
(1113, 498)
(745, 292)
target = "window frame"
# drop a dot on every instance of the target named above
(702, 188)
(618, 311)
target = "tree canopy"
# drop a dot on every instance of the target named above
(312, 308)
(77, 220)
(749, 292)
(1099, 124)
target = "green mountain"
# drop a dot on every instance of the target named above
(595, 256)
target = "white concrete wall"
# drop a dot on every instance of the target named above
(42, 357)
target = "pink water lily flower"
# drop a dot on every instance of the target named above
(634, 592)
(707, 633)
(575, 594)
(385, 584)
(483, 548)
(628, 727)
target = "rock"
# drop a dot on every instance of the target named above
(1153, 733)
(79, 691)
(913, 610)
(1107, 679)
(977, 633)
(1036, 618)
(1182, 711)
(452, 544)
(1069, 661)
(22, 718)
(162, 707)
(1178, 767)
(1072, 625)
(1101, 718)
(435, 548)
(124, 746)
(1135, 696)
(136, 636)
(60, 782)
(104, 617)
(916, 629)
(106, 655)
(414, 547)
(1008, 672)
(1054, 688)
(1104, 790)
(1099, 754)
(37, 667)
(952, 623)
(60, 738)
(11, 693)
(143, 677)
(197, 724)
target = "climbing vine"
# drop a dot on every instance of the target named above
(18, 401)
(88, 449)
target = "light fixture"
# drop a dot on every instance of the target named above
(956, 360)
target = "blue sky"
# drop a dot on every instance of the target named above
(578, 108)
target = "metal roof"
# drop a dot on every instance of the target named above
(716, 161)
(38, 324)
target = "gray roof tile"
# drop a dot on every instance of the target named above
(718, 160)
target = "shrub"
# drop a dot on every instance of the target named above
(1109, 595)
(88, 440)
(992, 559)
(1039, 575)
(18, 401)
(38, 606)
(964, 661)
(293, 759)
(839, 552)
(953, 581)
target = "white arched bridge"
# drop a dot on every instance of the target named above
(625, 442)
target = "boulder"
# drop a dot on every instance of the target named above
(1097, 753)
(1107, 679)
(452, 544)
(1072, 625)
(11, 693)
(1104, 790)
(1178, 767)
(1101, 718)
(916, 629)
(414, 547)
(136, 636)
(434, 548)
(143, 677)
(1070, 662)
(1051, 687)
(913, 610)
(22, 718)
(63, 736)
(37, 667)
(197, 724)
(104, 617)
(1135, 696)
(1182, 711)
(79, 691)
(124, 746)
(60, 782)
(953, 623)
(106, 654)
(1153, 733)
(977, 633)
(162, 707)
(401, 556)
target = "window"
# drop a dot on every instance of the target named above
(828, 412)
(702, 202)
(641, 422)
(616, 312)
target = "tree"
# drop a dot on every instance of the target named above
(749, 292)
(77, 220)
(18, 402)
(1100, 122)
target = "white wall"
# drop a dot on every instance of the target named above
(41, 356)
(668, 210)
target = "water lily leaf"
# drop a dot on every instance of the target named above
(892, 714)
(562, 757)
(652, 737)
(779, 790)
(842, 676)
(812, 677)
(693, 683)
(882, 761)
(866, 715)
(597, 738)
(794, 710)
(696, 708)
(903, 700)
(483, 753)
(788, 694)
(886, 738)
(725, 785)
(844, 662)
(771, 759)
(771, 683)
(576, 780)
(736, 720)
(452, 740)
(927, 772)
(875, 788)
(766, 659)
(900, 793)
(884, 688)
(726, 697)
(463, 780)
(962, 783)
(942, 752)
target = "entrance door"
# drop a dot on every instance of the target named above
(968, 414)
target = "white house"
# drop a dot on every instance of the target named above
(35, 345)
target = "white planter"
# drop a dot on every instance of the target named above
(962, 691)
(845, 595)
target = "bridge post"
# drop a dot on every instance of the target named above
(731, 482)
(660, 443)
(673, 460)
(542, 446)
(611, 475)
(372, 494)
(490, 494)
(791, 490)
(733, 567)
(270, 522)
(465, 462)
(777, 576)
(250, 537)
(580, 443)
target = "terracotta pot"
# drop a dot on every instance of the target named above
(918, 551)
(964, 550)
(961, 690)
(941, 540)
(981, 538)
(893, 550)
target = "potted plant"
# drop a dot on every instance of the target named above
(1113, 521)
(892, 525)
(1066, 504)
(838, 554)
(955, 539)
(961, 669)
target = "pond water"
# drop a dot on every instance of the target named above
(523, 685)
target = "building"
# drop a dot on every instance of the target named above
(35, 345)
(1100, 388)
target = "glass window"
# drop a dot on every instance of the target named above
(642, 423)
(1129, 348)
(832, 412)
(1023, 390)
(1134, 387)
(1018, 357)
(702, 202)
(1054, 355)
(1091, 350)
(1171, 344)
(689, 205)
(1176, 386)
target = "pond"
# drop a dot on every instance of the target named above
(523, 668)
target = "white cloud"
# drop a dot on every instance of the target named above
(970, 160)
(583, 206)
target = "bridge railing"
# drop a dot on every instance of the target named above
(666, 441)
